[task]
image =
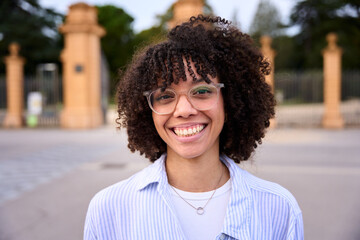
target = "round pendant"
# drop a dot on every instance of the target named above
(200, 211)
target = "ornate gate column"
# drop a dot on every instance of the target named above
(269, 54)
(332, 83)
(81, 68)
(184, 9)
(14, 87)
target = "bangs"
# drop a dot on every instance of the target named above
(169, 62)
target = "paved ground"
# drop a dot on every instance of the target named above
(47, 178)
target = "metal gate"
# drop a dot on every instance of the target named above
(48, 84)
(2, 98)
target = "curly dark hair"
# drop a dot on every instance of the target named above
(217, 49)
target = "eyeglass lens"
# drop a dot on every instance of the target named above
(202, 97)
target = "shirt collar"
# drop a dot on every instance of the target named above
(155, 173)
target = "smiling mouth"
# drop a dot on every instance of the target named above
(189, 131)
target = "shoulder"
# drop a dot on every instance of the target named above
(121, 192)
(259, 190)
(266, 191)
(273, 205)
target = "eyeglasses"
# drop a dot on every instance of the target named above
(202, 97)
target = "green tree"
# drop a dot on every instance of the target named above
(159, 31)
(316, 18)
(267, 21)
(118, 43)
(287, 54)
(34, 28)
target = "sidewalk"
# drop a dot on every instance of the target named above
(47, 178)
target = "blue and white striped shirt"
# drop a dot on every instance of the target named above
(141, 208)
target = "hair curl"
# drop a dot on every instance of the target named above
(217, 49)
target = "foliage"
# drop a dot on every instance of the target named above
(316, 18)
(267, 21)
(287, 55)
(158, 32)
(34, 28)
(118, 43)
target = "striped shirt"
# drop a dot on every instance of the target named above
(140, 207)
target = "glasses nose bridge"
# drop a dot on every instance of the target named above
(186, 94)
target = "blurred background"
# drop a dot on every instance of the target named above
(58, 77)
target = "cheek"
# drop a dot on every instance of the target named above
(221, 108)
(159, 122)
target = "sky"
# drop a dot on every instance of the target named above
(145, 11)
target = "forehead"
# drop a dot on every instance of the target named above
(192, 78)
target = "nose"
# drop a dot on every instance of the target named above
(184, 108)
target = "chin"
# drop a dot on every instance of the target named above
(189, 153)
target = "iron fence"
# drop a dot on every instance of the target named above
(2, 98)
(292, 87)
(300, 98)
(350, 85)
(2, 92)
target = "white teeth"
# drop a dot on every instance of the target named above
(189, 132)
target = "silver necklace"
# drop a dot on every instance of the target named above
(201, 210)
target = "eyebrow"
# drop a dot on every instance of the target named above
(198, 80)
(193, 82)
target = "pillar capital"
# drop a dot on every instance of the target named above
(266, 41)
(184, 9)
(332, 46)
(266, 48)
(14, 49)
(82, 18)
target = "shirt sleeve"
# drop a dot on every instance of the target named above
(297, 230)
(89, 229)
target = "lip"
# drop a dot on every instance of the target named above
(186, 125)
(190, 138)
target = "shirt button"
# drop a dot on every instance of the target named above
(222, 236)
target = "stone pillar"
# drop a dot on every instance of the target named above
(14, 87)
(81, 60)
(269, 54)
(184, 9)
(332, 83)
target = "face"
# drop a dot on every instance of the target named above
(204, 126)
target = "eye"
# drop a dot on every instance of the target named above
(163, 97)
(202, 91)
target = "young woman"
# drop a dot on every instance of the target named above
(195, 105)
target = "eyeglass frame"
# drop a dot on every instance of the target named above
(147, 94)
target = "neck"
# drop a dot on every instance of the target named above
(198, 174)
